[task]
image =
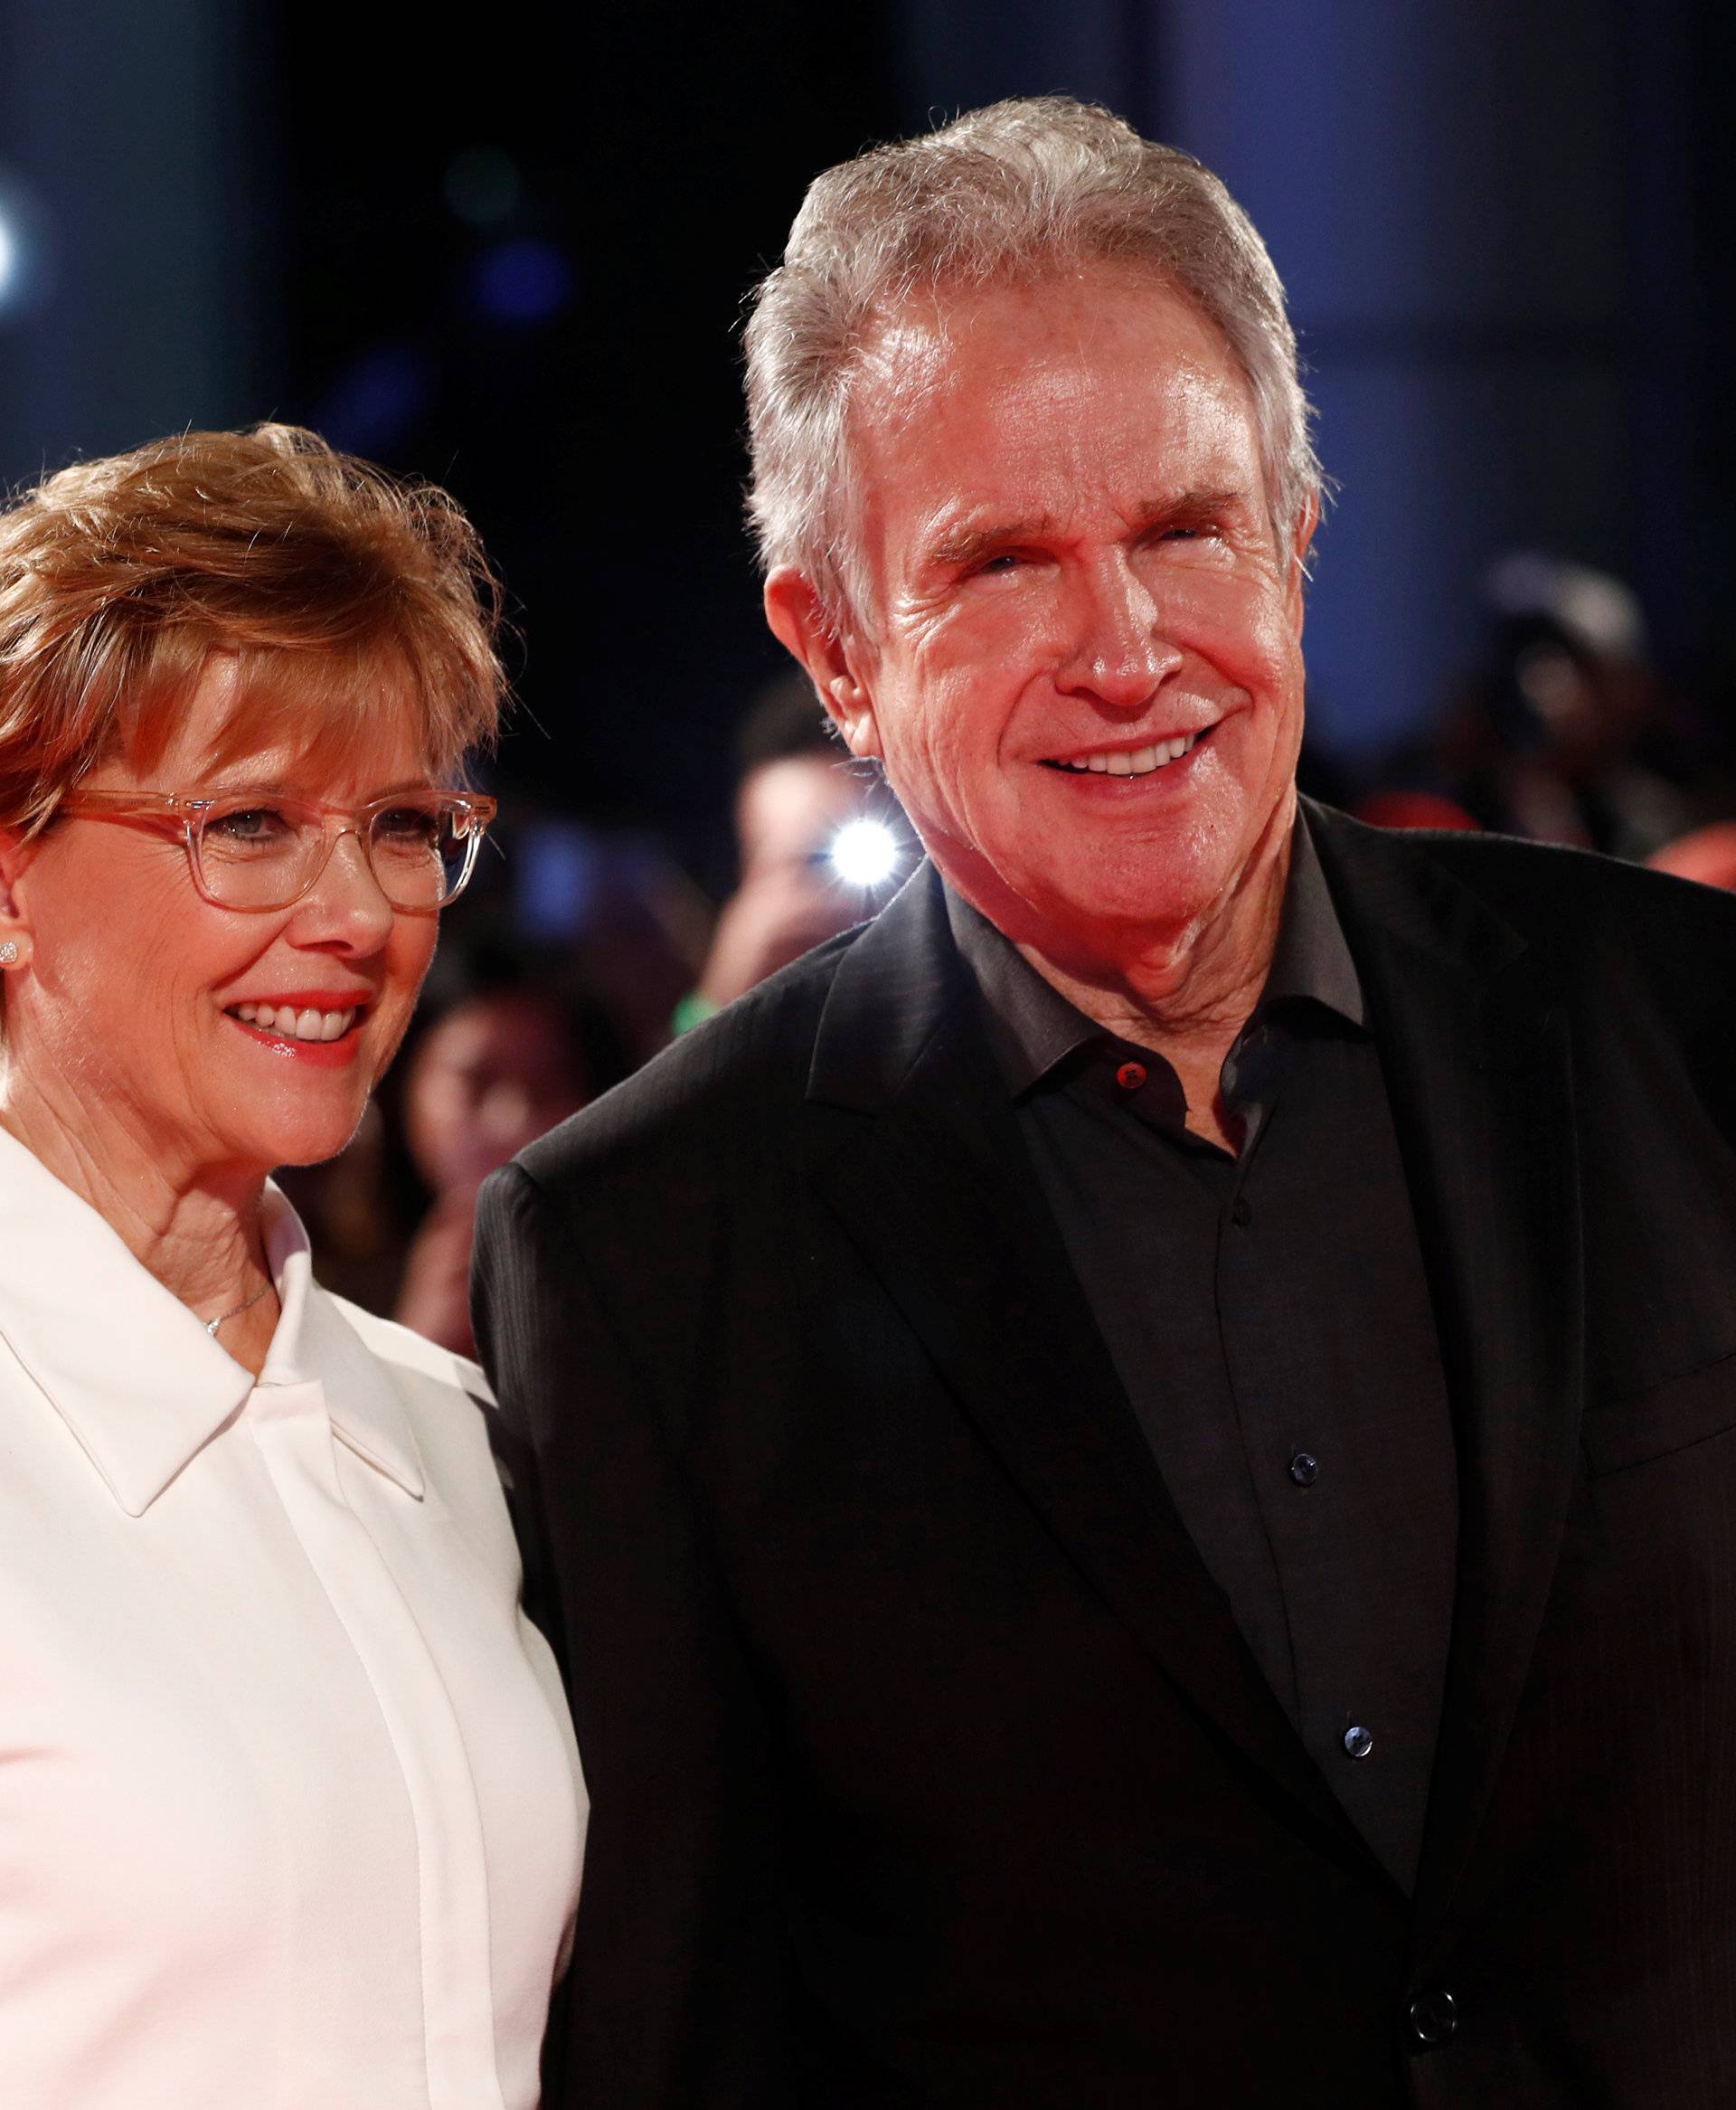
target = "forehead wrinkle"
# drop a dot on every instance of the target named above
(930, 350)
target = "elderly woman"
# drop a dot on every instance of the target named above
(290, 1808)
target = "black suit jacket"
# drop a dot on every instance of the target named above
(928, 1765)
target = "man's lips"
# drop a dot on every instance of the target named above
(1123, 761)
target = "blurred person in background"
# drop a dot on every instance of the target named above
(1705, 855)
(505, 1045)
(290, 1808)
(1549, 739)
(1136, 1459)
(798, 790)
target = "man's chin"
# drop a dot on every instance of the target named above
(1084, 932)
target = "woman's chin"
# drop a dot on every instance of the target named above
(302, 1141)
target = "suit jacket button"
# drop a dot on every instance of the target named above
(1432, 2016)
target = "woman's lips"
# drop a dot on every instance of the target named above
(312, 1046)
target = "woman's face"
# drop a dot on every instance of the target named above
(125, 1014)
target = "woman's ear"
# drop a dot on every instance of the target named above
(14, 923)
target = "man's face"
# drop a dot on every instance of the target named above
(1084, 677)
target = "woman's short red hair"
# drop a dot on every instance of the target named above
(339, 591)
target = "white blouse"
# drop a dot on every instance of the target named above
(290, 1813)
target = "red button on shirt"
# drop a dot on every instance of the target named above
(1130, 1076)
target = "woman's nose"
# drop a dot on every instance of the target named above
(346, 901)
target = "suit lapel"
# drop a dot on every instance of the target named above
(915, 1149)
(1476, 1054)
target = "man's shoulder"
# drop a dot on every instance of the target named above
(1570, 903)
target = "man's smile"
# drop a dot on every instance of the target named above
(1128, 762)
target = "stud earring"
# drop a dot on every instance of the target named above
(8, 954)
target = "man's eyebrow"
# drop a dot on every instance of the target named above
(964, 545)
(1192, 505)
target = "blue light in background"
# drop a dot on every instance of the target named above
(371, 406)
(526, 280)
(24, 249)
(560, 873)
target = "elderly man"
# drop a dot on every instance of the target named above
(1136, 1461)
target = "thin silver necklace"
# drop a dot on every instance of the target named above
(222, 1317)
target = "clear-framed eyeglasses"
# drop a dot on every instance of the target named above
(257, 849)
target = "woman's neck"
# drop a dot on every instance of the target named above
(195, 1228)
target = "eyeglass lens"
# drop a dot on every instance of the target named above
(256, 855)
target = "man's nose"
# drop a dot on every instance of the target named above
(1118, 651)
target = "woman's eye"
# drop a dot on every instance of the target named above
(407, 824)
(250, 824)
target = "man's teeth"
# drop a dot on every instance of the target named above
(308, 1025)
(1140, 762)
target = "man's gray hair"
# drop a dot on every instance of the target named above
(1007, 194)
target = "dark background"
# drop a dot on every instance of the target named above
(515, 263)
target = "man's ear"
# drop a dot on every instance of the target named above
(1301, 546)
(835, 661)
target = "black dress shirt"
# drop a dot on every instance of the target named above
(1269, 1317)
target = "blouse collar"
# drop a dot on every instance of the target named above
(134, 1375)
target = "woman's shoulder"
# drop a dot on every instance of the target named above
(447, 1402)
(421, 1362)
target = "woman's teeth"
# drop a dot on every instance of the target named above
(1140, 762)
(295, 1025)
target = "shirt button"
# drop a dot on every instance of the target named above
(1305, 1469)
(1432, 2016)
(1358, 1742)
(1241, 1211)
(1130, 1076)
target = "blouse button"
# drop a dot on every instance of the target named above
(1130, 1076)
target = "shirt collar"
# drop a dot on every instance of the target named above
(137, 1380)
(315, 1342)
(1312, 958)
(1032, 1026)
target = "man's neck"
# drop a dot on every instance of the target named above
(1187, 993)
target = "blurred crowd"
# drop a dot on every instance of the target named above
(1563, 731)
(578, 956)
